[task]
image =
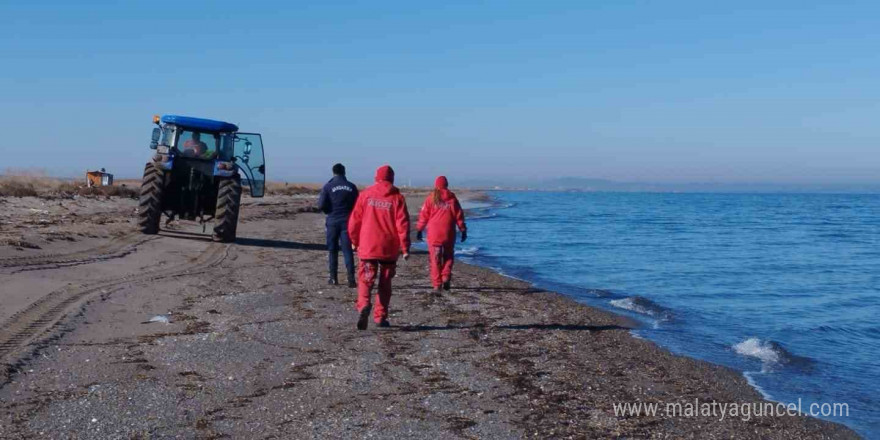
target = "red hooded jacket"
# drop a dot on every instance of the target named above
(442, 216)
(379, 224)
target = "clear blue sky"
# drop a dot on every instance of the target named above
(782, 91)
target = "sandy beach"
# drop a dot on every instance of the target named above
(259, 346)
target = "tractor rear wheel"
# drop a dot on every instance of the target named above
(150, 204)
(226, 215)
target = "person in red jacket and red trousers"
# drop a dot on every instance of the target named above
(379, 232)
(441, 212)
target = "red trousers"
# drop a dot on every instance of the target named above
(368, 271)
(441, 258)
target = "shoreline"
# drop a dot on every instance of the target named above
(488, 203)
(259, 345)
(734, 383)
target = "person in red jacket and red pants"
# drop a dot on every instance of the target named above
(441, 212)
(379, 231)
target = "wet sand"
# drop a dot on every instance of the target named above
(260, 347)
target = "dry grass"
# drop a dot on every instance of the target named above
(289, 189)
(28, 183)
(19, 187)
(37, 185)
(21, 184)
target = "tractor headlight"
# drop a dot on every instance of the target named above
(162, 149)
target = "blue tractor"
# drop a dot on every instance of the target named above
(197, 173)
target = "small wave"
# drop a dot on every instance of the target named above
(501, 272)
(835, 235)
(846, 330)
(756, 348)
(642, 306)
(468, 251)
(482, 216)
(600, 292)
(771, 353)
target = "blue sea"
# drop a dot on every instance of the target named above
(783, 287)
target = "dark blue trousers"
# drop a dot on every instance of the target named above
(337, 236)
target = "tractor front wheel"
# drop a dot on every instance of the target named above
(226, 215)
(150, 204)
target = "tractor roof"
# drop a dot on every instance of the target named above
(207, 125)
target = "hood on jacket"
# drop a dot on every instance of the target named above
(385, 174)
(441, 190)
(385, 181)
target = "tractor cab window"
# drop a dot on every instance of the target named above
(198, 144)
(227, 147)
(167, 135)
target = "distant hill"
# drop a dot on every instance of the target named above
(586, 184)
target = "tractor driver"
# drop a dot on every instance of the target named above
(194, 146)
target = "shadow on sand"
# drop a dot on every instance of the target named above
(241, 241)
(185, 235)
(282, 244)
(279, 244)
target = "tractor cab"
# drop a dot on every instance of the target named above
(197, 173)
(184, 137)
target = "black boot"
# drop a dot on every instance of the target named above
(332, 281)
(364, 318)
(447, 285)
(352, 281)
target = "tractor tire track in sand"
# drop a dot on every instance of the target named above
(32, 323)
(116, 248)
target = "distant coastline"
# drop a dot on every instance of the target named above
(577, 184)
(553, 184)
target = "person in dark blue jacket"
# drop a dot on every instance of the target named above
(337, 200)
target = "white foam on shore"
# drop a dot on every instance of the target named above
(468, 251)
(751, 380)
(635, 334)
(629, 304)
(501, 272)
(756, 348)
(642, 306)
